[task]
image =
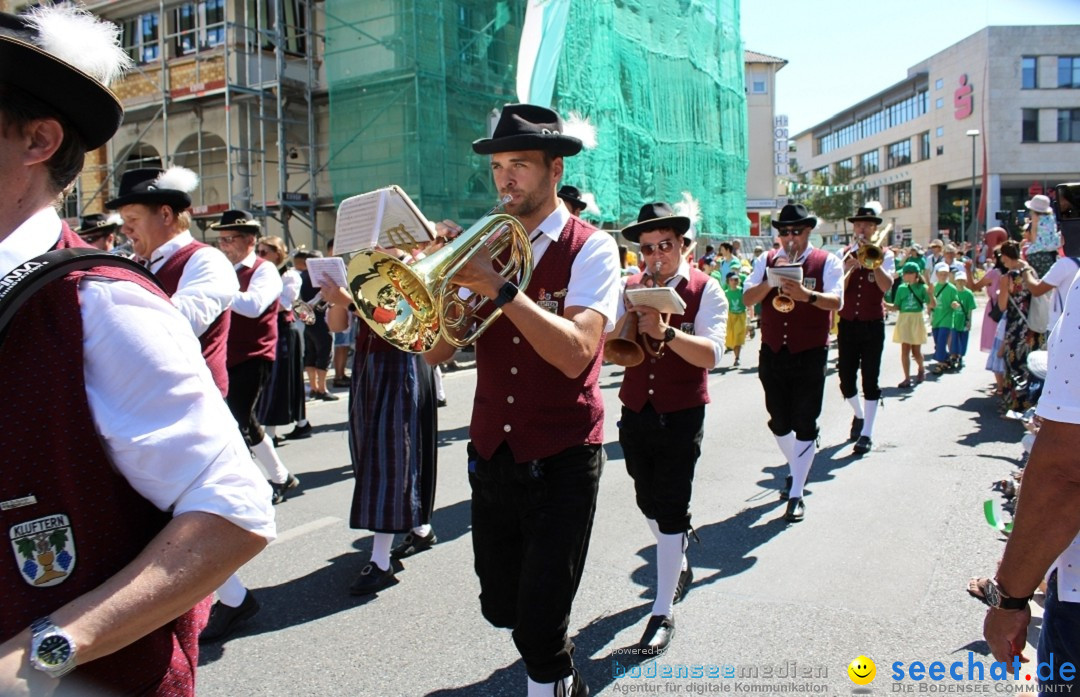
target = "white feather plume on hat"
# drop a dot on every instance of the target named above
(178, 179)
(874, 206)
(689, 208)
(578, 126)
(81, 40)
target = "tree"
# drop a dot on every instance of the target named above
(830, 196)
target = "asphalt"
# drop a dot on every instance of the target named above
(878, 568)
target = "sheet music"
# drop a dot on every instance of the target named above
(775, 273)
(664, 299)
(382, 218)
(331, 267)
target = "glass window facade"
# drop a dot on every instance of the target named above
(199, 25)
(899, 153)
(1029, 73)
(1069, 125)
(900, 195)
(140, 37)
(1029, 130)
(1068, 71)
(892, 115)
(868, 163)
(924, 145)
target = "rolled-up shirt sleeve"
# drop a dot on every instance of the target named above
(757, 273)
(711, 320)
(162, 421)
(290, 288)
(595, 278)
(833, 277)
(263, 290)
(207, 287)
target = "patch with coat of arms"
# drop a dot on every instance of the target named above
(44, 549)
(810, 283)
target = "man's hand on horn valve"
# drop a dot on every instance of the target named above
(794, 290)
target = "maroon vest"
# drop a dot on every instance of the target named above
(669, 382)
(521, 398)
(806, 326)
(863, 299)
(214, 340)
(87, 522)
(252, 337)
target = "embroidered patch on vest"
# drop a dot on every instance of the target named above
(687, 328)
(44, 549)
(545, 302)
(810, 283)
(18, 503)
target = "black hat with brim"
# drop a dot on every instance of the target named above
(87, 105)
(528, 127)
(96, 225)
(238, 221)
(572, 195)
(656, 216)
(137, 186)
(865, 213)
(794, 215)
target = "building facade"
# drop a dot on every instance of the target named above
(767, 138)
(1001, 107)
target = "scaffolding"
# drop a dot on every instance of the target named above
(229, 89)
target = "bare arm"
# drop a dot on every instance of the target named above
(698, 351)
(754, 295)
(183, 564)
(883, 279)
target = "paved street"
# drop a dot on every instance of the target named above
(877, 568)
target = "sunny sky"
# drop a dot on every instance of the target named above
(842, 51)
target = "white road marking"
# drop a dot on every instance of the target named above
(304, 529)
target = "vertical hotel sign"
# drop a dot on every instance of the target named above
(780, 146)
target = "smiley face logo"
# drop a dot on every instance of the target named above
(862, 670)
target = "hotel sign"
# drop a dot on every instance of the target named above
(780, 146)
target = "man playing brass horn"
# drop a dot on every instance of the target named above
(664, 400)
(794, 343)
(861, 332)
(537, 425)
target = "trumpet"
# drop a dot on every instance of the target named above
(305, 311)
(871, 253)
(780, 302)
(625, 348)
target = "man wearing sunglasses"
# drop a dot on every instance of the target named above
(794, 347)
(664, 400)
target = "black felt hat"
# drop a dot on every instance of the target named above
(96, 225)
(528, 127)
(654, 216)
(572, 195)
(238, 221)
(39, 56)
(794, 214)
(865, 213)
(154, 186)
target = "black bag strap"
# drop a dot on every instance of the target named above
(23, 281)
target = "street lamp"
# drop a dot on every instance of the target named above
(973, 134)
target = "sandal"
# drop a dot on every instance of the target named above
(906, 383)
(920, 377)
(976, 588)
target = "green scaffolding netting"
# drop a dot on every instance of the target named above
(413, 82)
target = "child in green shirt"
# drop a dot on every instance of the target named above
(962, 308)
(941, 317)
(736, 320)
(910, 297)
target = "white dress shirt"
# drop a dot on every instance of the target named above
(831, 277)
(594, 275)
(265, 287)
(162, 421)
(207, 284)
(711, 319)
(290, 288)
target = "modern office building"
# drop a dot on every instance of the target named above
(1001, 107)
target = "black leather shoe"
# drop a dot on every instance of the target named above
(299, 432)
(856, 427)
(413, 545)
(372, 579)
(224, 620)
(658, 635)
(863, 445)
(686, 577)
(279, 489)
(578, 689)
(786, 491)
(328, 396)
(796, 510)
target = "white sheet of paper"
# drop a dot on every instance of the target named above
(663, 299)
(331, 267)
(775, 273)
(382, 218)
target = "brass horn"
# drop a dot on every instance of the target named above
(305, 311)
(411, 306)
(625, 348)
(780, 302)
(871, 254)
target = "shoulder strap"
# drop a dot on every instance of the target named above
(22, 282)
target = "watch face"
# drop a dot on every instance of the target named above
(993, 597)
(54, 650)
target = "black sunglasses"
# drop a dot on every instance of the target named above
(785, 231)
(650, 249)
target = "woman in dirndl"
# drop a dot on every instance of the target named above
(393, 431)
(282, 402)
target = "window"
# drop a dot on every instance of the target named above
(872, 194)
(758, 87)
(140, 37)
(924, 146)
(938, 103)
(293, 25)
(1029, 72)
(1068, 71)
(940, 132)
(199, 25)
(1069, 125)
(900, 195)
(844, 168)
(868, 163)
(1029, 132)
(893, 115)
(822, 173)
(899, 153)
(940, 150)
(939, 83)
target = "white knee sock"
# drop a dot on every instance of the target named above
(380, 549)
(547, 689)
(787, 445)
(856, 404)
(871, 414)
(270, 462)
(670, 550)
(800, 466)
(654, 527)
(271, 431)
(302, 422)
(422, 530)
(440, 393)
(232, 592)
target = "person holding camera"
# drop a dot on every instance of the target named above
(1014, 299)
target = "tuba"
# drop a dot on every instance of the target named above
(412, 305)
(625, 348)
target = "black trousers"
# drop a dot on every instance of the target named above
(246, 382)
(794, 387)
(661, 452)
(531, 524)
(859, 345)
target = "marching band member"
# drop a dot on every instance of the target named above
(861, 332)
(130, 479)
(664, 400)
(794, 344)
(99, 230)
(538, 416)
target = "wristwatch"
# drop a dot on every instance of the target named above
(507, 293)
(813, 297)
(52, 651)
(669, 334)
(995, 597)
